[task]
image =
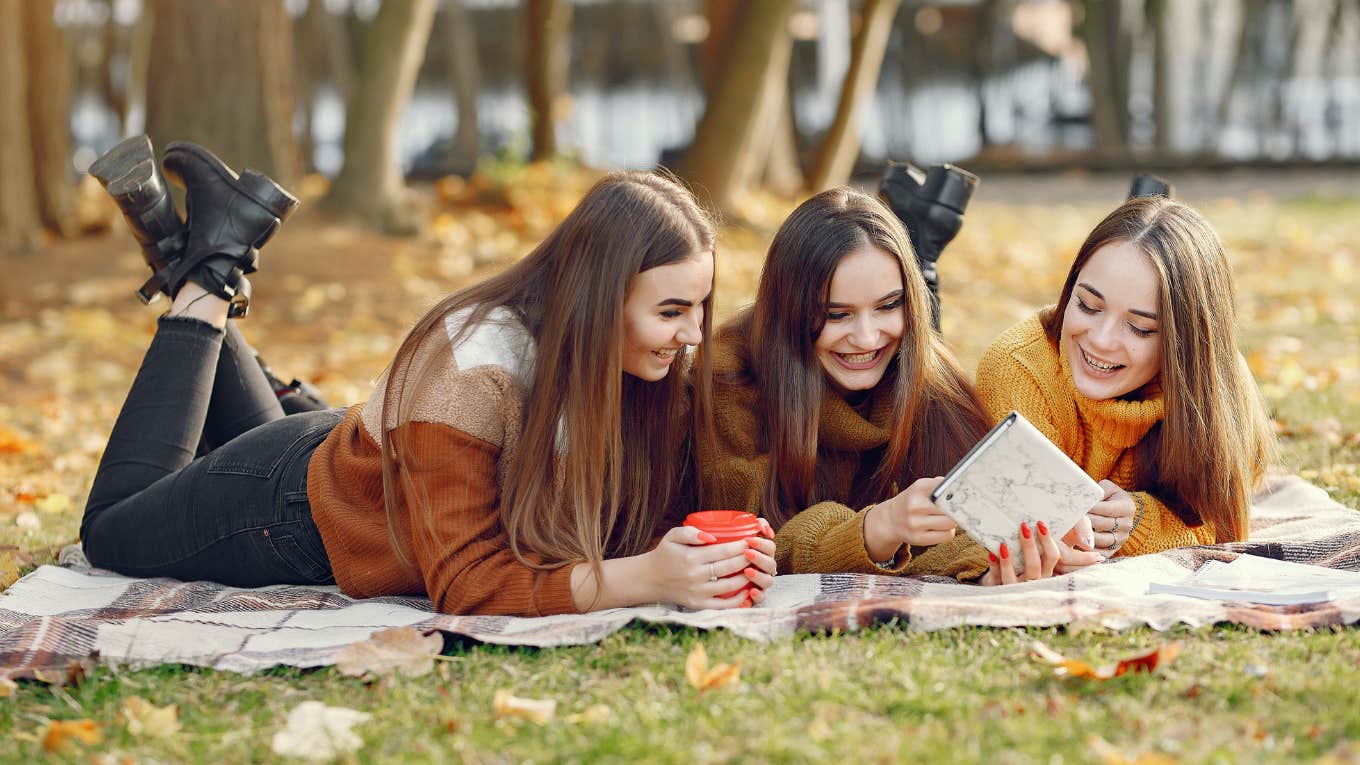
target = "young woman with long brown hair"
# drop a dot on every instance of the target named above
(833, 392)
(524, 454)
(1136, 375)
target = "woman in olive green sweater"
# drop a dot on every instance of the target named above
(833, 391)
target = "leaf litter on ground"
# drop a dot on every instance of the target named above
(1077, 668)
(319, 733)
(704, 679)
(399, 650)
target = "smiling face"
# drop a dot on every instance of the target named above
(864, 320)
(1110, 324)
(663, 312)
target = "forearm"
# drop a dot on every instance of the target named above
(621, 582)
(829, 538)
(882, 540)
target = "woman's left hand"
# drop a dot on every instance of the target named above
(1112, 519)
(760, 552)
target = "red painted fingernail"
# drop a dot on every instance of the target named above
(1005, 551)
(991, 556)
(1042, 528)
(750, 573)
(1024, 530)
(707, 538)
(751, 555)
(746, 603)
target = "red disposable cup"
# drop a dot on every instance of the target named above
(726, 526)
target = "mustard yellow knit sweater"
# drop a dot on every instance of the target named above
(827, 537)
(1023, 371)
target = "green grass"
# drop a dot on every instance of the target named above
(882, 695)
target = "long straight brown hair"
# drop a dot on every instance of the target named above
(1215, 440)
(937, 415)
(600, 453)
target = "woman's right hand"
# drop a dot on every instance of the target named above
(910, 518)
(688, 570)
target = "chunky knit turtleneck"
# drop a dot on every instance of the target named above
(1023, 371)
(827, 537)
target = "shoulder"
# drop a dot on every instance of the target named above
(471, 377)
(1024, 350)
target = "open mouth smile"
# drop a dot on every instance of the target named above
(859, 361)
(1098, 366)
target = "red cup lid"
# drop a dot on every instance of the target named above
(724, 521)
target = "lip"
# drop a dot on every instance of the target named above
(860, 367)
(667, 360)
(1093, 371)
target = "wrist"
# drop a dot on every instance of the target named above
(881, 539)
(622, 582)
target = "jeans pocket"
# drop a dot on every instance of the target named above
(294, 555)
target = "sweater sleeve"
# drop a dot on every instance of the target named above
(1004, 384)
(459, 545)
(1159, 529)
(828, 538)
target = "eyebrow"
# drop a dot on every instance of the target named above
(1137, 312)
(682, 302)
(889, 296)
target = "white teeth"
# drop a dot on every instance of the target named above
(667, 354)
(858, 358)
(1099, 365)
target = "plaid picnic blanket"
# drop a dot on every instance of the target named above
(60, 614)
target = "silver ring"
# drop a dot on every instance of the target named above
(712, 573)
(1115, 530)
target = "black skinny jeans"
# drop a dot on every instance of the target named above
(237, 513)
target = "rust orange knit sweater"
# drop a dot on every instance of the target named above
(461, 427)
(1023, 371)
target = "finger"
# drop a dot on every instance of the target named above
(1074, 558)
(761, 561)
(766, 529)
(1085, 535)
(1048, 549)
(1006, 567)
(934, 521)
(689, 535)
(928, 538)
(714, 553)
(725, 567)
(762, 544)
(758, 596)
(725, 585)
(1111, 488)
(758, 578)
(1105, 540)
(993, 576)
(1029, 553)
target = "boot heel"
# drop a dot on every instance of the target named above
(269, 194)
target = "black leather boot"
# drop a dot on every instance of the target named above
(296, 396)
(130, 174)
(930, 204)
(229, 217)
(1147, 185)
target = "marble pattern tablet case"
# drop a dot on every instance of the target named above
(1015, 475)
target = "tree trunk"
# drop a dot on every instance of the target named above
(50, 73)
(840, 146)
(465, 75)
(783, 170)
(19, 223)
(743, 105)
(1107, 73)
(370, 186)
(547, 56)
(221, 74)
(1158, 17)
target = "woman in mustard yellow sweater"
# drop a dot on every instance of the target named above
(837, 405)
(1136, 375)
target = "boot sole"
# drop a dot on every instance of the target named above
(256, 186)
(128, 170)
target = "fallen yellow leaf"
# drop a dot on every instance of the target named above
(1109, 755)
(7, 686)
(538, 710)
(59, 732)
(704, 679)
(146, 719)
(592, 715)
(1077, 668)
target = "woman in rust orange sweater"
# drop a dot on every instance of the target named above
(524, 454)
(1135, 374)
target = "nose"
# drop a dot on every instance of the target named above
(691, 331)
(864, 333)
(1103, 335)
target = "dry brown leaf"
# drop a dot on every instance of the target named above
(401, 649)
(538, 710)
(704, 679)
(59, 732)
(146, 719)
(13, 443)
(1077, 668)
(9, 569)
(1109, 755)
